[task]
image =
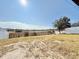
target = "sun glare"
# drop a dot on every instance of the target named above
(23, 3)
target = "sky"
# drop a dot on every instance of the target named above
(38, 12)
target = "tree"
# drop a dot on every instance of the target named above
(62, 23)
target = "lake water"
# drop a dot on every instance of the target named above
(4, 35)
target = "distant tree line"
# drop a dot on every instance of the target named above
(75, 24)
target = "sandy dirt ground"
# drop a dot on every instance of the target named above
(30, 50)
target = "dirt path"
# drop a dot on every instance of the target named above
(33, 50)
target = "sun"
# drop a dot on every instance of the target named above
(23, 3)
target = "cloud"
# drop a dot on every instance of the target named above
(23, 3)
(18, 25)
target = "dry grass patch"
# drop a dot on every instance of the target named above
(65, 45)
